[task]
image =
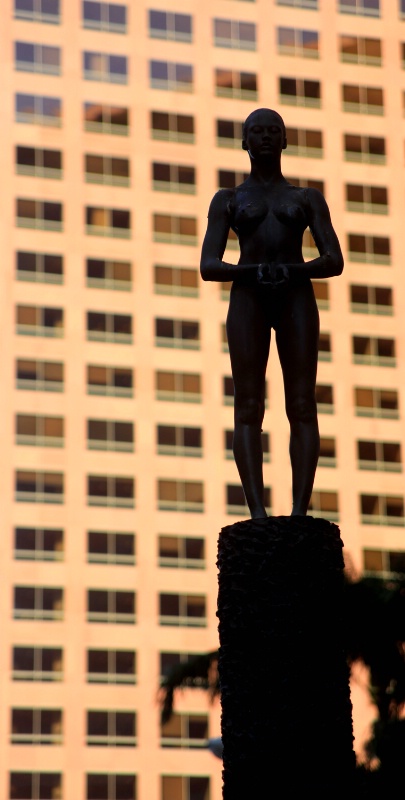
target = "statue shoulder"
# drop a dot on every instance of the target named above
(222, 203)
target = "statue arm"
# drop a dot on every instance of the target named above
(212, 267)
(330, 260)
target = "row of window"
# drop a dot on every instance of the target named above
(112, 17)
(169, 177)
(188, 496)
(37, 375)
(110, 786)
(33, 57)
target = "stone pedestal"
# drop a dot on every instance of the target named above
(286, 710)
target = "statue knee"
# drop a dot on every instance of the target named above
(249, 412)
(301, 409)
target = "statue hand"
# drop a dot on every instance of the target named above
(273, 274)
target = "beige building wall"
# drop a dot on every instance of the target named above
(377, 527)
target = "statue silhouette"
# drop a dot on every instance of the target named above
(271, 289)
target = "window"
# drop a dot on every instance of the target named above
(178, 440)
(37, 110)
(110, 170)
(39, 487)
(371, 299)
(401, 9)
(307, 183)
(369, 249)
(239, 85)
(298, 42)
(40, 214)
(224, 338)
(38, 162)
(111, 787)
(39, 544)
(106, 119)
(29, 57)
(185, 730)
(110, 381)
(109, 17)
(305, 143)
(364, 8)
(45, 376)
(327, 452)
(321, 292)
(40, 321)
(178, 495)
(236, 501)
(105, 67)
(111, 666)
(110, 547)
(377, 351)
(362, 99)
(402, 46)
(324, 347)
(111, 728)
(383, 456)
(107, 434)
(183, 609)
(169, 25)
(382, 509)
(366, 199)
(38, 603)
(171, 229)
(36, 429)
(170, 76)
(115, 328)
(228, 390)
(370, 149)
(114, 222)
(105, 274)
(172, 127)
(228, 444)
(229, 133)
(36, 726)
(173, 178)
(177, 333)
(234, 34)
(325, 505)
(169, 661)
(180, 281)
(37, 664)
(35, 785)
(309, 248)
(310, 4)
(324, 398)
(178, 387)
(110, 606)
(229, 179)
(376, 403)
(46, 11)
(359, 50)
(384, 563)
(300, 92)
(185, 787)
(39, 267)
(181, 551)
(108, 490)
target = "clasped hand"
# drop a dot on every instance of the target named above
(273, 274)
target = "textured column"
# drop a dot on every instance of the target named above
(286, 710)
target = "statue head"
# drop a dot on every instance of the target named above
(267, 127)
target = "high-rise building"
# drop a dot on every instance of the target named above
(120, 120)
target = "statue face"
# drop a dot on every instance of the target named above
(265, 135)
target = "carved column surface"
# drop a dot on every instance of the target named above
(286, 710)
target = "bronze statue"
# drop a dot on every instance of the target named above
(271, 289)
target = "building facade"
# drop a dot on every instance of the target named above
(120, 120)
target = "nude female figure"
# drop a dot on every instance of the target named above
(271, 289)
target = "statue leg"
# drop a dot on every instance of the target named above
(249, 340)
(297, 343)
